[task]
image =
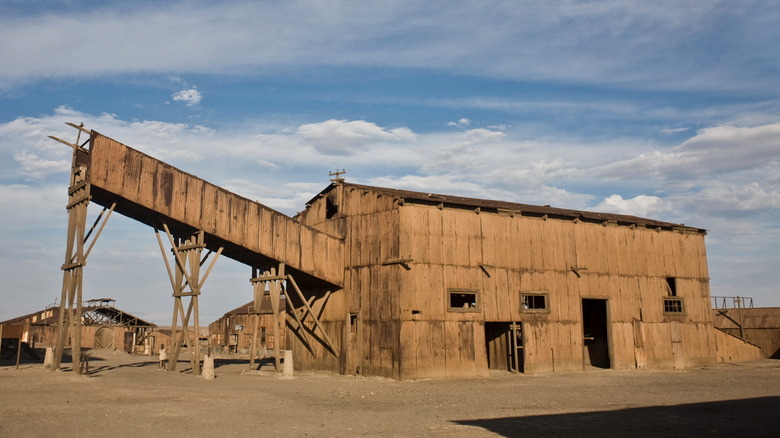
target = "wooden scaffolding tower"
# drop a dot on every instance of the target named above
(70, 311)
(187, 283)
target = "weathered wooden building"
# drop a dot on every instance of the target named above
(413, 285)
(236, 330)
(104, 326)
(445, 286)
(759, 326)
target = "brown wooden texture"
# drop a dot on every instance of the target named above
(733, 349)
(162, 190)
(501, 256)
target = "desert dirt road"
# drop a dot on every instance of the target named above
(127, 395)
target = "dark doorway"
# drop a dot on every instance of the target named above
(504, 346)
(595, 333)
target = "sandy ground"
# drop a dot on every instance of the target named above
(127, 395)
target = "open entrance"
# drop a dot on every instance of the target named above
(595, 333)
(504, 346)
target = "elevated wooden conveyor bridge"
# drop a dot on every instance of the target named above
(196, 216)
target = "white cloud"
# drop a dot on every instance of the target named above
(190, 97)
(460, 123)
(648, 45)
(32, 165)
(712, 151)
(642, 205)
(732, 200)
(671, 131)
(341, 137)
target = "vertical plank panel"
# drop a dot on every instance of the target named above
(424, 349)
(408, 345)
(292, 243)
(438, 349)
(208, 212)
(179, 196)
(252, 225)
(238, 218)
(115, 168)
(147, 182)
(132, 174)
(222, 213)
(193, 201)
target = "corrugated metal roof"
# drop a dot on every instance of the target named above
(516, 208)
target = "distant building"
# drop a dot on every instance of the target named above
(759, 326)
(103, 327)
(234, 331)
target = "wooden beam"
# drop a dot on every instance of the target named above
(316, 319)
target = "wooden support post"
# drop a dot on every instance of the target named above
(275, 291)
(186, 281)
(513, 348)
(70, 311)
(271, 281)
(255, 329)
(258, 287)
(18, 351)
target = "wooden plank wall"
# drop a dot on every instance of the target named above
(47, 335)
(768, 339)
(371, 277)
(627, 266)
(406, 330)
(221, 329)
(732, 349)
(148, 182)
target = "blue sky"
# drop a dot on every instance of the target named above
(668, 110)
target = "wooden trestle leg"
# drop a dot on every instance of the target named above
(271, 281)
(70, 310)
(186, 281)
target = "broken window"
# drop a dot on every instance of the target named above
(673, 306)
(534, 302)
(331, 209)
(463, 300)
(671, 286)
(353, 320)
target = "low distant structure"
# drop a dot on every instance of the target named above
(104, 326)
(163, 335)
(760, 325)
(233, 333)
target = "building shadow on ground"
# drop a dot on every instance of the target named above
(754, 417)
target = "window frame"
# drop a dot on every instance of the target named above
(477, 300)
(672, 312)
(543, 294)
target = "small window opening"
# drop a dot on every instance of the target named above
(533, 302)
(463, 300)
(353, 320)
(331, 209)
(262, 335)
(671, 286)
(673, 306)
